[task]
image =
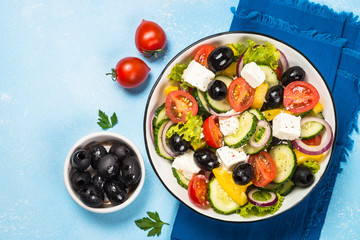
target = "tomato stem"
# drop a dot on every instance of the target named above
(150, 53)
(113, 74)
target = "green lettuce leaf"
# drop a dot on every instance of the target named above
(189, 131)
(176, 75)
(266, 54)
(240, 49)
(250, 209)
(312, 164)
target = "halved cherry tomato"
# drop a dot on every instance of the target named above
(197, 190)
(300, 97)
(240, 94)
(212, 134)
(202, 54)
(264, 168)
(316, 141)
(278, 73)
(178, 104)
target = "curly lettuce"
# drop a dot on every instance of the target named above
(176, 75)
(250, 209)
(266, 54)
(238, 49)
(312, 164)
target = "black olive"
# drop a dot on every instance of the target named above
(81, 160)
(109, 166)
(217, 90)
(80, 179)
(115, 193)
(121, 150)
(292, 74)
(178, 145)
(276, 141)
(98, 183)
(90, 197)
(206, 159)
(243, 173)
(130, 172)
(96, 151)
(220, 58)
(274, 96)
(303, 176)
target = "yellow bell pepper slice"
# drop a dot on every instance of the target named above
(270, 114)
(236, 192)
(302, 157)
(318, 108)
(259, 97)
(230, 71)
(170, 89)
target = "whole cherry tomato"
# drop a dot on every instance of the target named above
(130, 72)
(150, 38)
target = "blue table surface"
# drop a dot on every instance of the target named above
(54, 56)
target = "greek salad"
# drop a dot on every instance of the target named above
(241, 127)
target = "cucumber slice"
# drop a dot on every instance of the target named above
(286, 188)
(272, 187)
(159, 148)
(203, 106)
(181, 180)
(160, 114)
(270, 76)
(257, 114)
(219, 200)
(248, 123)
(223, 105)
(311, 129)
(285, 161)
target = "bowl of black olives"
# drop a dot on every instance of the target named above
(104, 172)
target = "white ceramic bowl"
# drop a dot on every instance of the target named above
(107, 139)
(162, 167)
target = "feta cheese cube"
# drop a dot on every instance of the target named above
(186, 165)
(253, 74)
(229, 125)
(230, 157)
(198, 75)
(286, 126)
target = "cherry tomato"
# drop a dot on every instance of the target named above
(150, 38)
(240, 94)
(197, 190)
(202, 54)
(130, 72)
(178, 104)
(264, 168)
(212, 134)
(300, 97)
(278, 73)
(316, 141)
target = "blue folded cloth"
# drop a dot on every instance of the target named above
(332, 42)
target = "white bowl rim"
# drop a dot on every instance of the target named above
(213, 36)
(68, 163)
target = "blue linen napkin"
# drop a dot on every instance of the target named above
(331, 41)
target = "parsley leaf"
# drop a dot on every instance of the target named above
(153, 223)
(104, 121)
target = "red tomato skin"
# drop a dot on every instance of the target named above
(149, 37)
(244, 88)
(202, 54)
(278, 73)
(264, 168)
(197, 191)
(171, 99)
(212, 134)
(316, 141)
(311, 96)
(131, 72)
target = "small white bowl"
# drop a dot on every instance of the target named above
(107, 139)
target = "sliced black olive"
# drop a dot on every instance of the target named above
(81, 160)
(303, 176)
(130, 172)
(121, 150)
(220, 58)
(243, 173)
(90, 197)
(274, 96)
(96, 151)
(79, 179)
(206, 159)
(217, 90)
(292, 74)
(178, 145)
(115, 193)
(109, 166)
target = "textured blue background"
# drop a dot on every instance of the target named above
(53, 60)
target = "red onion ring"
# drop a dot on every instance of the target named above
(223, 114)
(273, 199)
(163, 138)
(261, 144)
(325, 142)
(151, 119)
(240, 64)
